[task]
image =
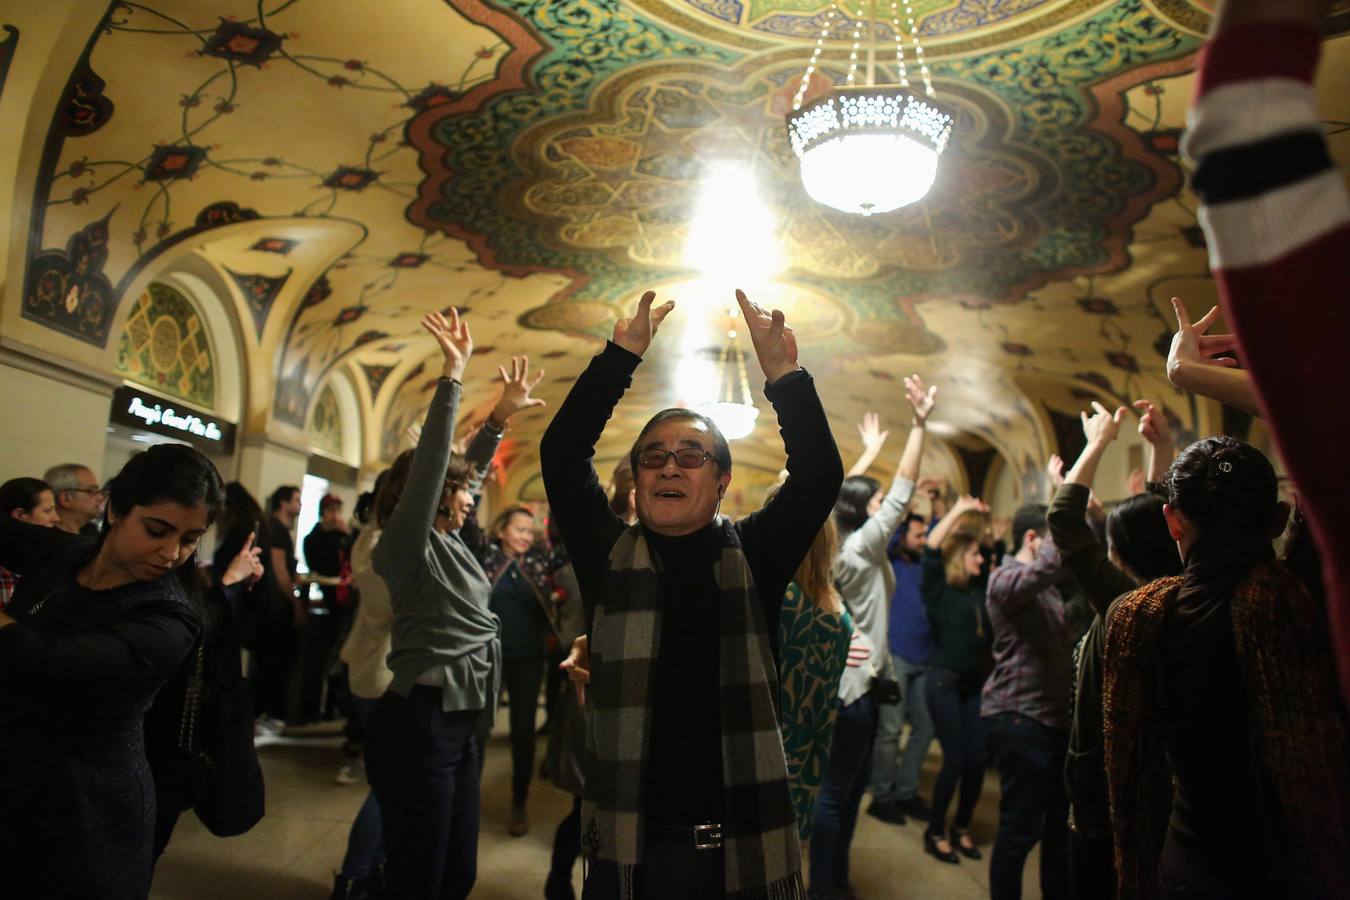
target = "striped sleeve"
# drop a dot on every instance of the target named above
(1277, 221)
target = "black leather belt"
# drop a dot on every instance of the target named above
(699, 837)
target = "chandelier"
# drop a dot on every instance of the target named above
(871, 148)
(734, 410)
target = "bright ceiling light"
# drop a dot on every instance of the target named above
(733, 235)
(735, 420)
(872, 149)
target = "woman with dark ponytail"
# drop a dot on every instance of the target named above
(94, 630)
(1225, 742)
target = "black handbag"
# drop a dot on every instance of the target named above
(215, 771)
(885, 690)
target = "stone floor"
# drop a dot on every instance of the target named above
(293, 852)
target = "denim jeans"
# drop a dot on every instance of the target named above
(365, 844)
(895, 774)
(423, 764)
(1034, 807)
(841, 790)
(954, 702)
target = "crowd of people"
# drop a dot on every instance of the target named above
(1154, 684)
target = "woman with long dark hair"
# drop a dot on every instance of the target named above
(94, 630)
(1226, 752)
(445, 651)
(953, 591)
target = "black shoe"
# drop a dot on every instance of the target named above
(915, 808)
(931, 848)
(887, 811)
(971, 852)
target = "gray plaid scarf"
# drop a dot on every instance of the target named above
(763, 857)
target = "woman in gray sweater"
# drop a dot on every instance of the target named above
(445, 654)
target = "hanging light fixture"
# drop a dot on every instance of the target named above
(874, 148)
(734, 411)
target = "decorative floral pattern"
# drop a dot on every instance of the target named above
(165, 347)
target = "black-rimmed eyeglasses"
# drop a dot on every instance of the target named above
(688, 458)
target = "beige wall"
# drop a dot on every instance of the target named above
(50, 417)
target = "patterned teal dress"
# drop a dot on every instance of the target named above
(814, 647)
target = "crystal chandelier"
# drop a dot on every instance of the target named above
(734, 411)
(875, 148)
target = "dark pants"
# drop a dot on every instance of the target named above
(365, 843)
(566, 849)
(667, 872)
(522, 678)
(1034, 807)
(1092, 865)
(318, 636)
(422, 763)
(841, 790)
(270, 663)
(954, 704)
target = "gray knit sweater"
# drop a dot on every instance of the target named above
(442, 626)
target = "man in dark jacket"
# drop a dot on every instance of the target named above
(686, 785)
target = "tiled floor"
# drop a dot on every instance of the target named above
(296, 848)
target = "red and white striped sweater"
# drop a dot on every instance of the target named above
(1277, 218)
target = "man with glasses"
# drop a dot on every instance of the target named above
(686, 787)
(79, 497)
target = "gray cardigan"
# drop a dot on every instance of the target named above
(442, 627)
(866, 582)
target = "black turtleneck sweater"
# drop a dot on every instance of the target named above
(684, 770)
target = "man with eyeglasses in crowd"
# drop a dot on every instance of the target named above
(686, 786)
(79, 497)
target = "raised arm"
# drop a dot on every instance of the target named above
(870, 540)
(1193, 366)
(873, 439)
(1012, 587)
(576, 497)
(948, 522)
(777, 537)
(1155, 430)
(1083, 555)
(415, 513)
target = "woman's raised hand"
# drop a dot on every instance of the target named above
(873, 438)
(775, 344)
(921, 400)
(1103, 425)
(635, 334)
(1190, 345)
(966, 503)
(453, 337)
(516, 387)
(1153, 425)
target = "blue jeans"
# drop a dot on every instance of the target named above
(895, 774)
(365, 844)
(954, 702)
(841, 790)
(423, 765)
(1034, 807)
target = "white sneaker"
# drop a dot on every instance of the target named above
(352, 773)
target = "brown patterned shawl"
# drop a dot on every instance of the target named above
(1288, 675)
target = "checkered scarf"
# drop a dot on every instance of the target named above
(763, 858)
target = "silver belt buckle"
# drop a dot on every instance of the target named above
(707, 837)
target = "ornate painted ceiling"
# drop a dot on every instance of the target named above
(348, 166)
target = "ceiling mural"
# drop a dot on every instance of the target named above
(165, 346)
(536, 164)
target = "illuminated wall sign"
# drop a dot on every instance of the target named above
(146, 412)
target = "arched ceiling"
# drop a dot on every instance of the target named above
(536, 162)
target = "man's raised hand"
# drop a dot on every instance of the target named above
(635, 334)
(775, 344)
(454, 339)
